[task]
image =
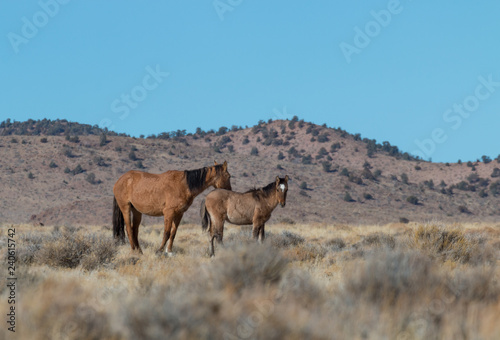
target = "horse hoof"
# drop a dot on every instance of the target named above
(169, 254)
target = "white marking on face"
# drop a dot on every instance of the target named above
(282, 187)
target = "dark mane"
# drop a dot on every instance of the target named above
(196, 178)
(259, 193)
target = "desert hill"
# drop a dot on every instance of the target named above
(58, 172)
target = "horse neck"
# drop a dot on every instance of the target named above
(271, 202)
(199, 190)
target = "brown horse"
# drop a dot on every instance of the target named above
(252, 207)
(169, 194)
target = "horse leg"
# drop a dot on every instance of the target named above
(126, 218)
(136, 222)
(217, 233)
(166, 232)
(256, 230)
(177, 220)
(262, 233)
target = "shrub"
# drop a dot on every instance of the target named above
(412, 200)
(355, 179)
(326, 166)
(99, 161)
(323, 138)
(334, 147)
(103, 140)
(486, 159)
(69, 249)
(43, 140)
(404, 220)
(366, 173)
(429, 184)
(307, 159)
(281, 156)
(347, 197)
(286, 239)
(463, 209)
(303, 193)
(390, 275)
(335, 244)
(495, 173)
(344, 172)
(404, 178)
(77, 170)
(379, 240)
(254, 151)
(132, 156)
(30, 175)
(495, 188)
(52, 164)
(473, 178)
(91, 178)
(68, 152)
(367, 196)
(303, 185)
(450, 244)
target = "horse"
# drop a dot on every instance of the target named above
(168, 194)
(252, 207)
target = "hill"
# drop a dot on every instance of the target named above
(57, 172)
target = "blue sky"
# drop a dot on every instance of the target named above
(423, 75)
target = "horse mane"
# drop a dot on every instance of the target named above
(196, 178)
(263, 192)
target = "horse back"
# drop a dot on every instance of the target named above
(151, 193)
(237, 208)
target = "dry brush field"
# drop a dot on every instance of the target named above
(317, 281)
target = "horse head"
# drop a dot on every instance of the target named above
(281, 189)
(222, 178)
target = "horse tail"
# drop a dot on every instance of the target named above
(205, 217)
(118, 222)
(212, 250)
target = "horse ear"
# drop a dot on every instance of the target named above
(215, 162)
(286, 179)
(224, 166)
(277, 179)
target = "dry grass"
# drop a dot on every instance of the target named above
(306, 281)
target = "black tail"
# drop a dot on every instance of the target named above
(118, 223)
(205, 217)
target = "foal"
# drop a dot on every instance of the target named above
(252, 207)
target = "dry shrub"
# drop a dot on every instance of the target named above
(474, 284)
(297, 286)
(30, 244)
(62, 310)
(210, 301)
(390, 275)
(70, 249)
(450, 244)
(379, 240)
(102, 253)
(306, 252)
(286, 239)
(336, 244)
(247, 265)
